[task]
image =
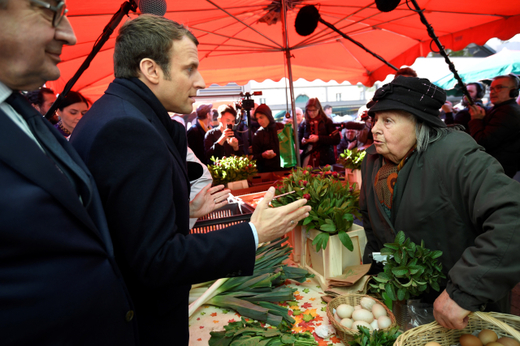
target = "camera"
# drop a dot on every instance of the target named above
(230, 126)
(247, 103)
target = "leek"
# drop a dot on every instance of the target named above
(253, 296)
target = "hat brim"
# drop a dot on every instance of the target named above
(389, 105)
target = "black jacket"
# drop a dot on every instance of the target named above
(499, 134)
(266, 139)
(196, 136)
(218, 151)
(327, 142)
(137, 156)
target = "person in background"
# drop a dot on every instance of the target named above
(350, 139)
(498, 130)
(42, 99)
(318, 136)
(59, 282)
(476, 91)
(137, 156)
(266, 147)
(437, 185)
(221, 141)
(405, 72)
(71, 110)
(299, 117)
(197, 132)
(328, 111)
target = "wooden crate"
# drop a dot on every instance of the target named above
(294, 237)
(238, 185)
(331, 262)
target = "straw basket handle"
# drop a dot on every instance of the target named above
(498, 323)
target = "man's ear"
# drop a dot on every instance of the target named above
(150, 71)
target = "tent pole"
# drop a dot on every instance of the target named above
(291, 86)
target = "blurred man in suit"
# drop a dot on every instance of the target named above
(137, 156)
(59, 284)
(197, 132)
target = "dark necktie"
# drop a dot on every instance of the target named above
(75, 174)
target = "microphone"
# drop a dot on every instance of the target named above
(157, 7)
(387, 5)
(307, 20)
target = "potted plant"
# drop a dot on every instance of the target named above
(409, 271)
(232, 169)
(334, 206)
(351, 160)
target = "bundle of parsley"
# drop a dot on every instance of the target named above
(244, 333)
(255, 296)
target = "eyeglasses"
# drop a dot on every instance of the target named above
(311, 110)
(59, 10)
(498, 88)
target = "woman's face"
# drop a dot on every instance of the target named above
(312, 111)
(72, 114)
(262, 120)
(394, 135)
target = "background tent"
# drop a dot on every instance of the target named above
(243, 40)
(504, 62)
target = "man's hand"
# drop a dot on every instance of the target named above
(272, 223)
(233, 142)
(447, 107)
(226, 134)
(448, 313)
(207, 200)
(476, 112)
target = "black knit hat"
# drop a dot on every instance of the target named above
(414, 95)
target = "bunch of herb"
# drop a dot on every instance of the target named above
(255, 296)
(334, 205)
(231, 168)
(377, 338)
(244, 333)
(409, 271)
(352, 159)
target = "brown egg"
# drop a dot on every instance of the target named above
(469, 340)
(487, 336)
(508, 342)
(494, 343)
(432, 343)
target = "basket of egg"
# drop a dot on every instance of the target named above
(484, 328)
(348, 311)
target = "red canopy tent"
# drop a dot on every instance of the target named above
(243, 40)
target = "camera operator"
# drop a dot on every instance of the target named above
(221, 141)
(477, 91)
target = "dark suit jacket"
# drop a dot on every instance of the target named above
(59, 284)
(137, 156)
(196, 141)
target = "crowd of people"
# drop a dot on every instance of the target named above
(97, 200)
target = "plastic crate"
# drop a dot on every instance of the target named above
(226, 216)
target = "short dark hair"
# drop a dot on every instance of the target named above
(327, 107)
(71, 98)
(406, 71)
(147, 36)
(228, 109)
(36, 96)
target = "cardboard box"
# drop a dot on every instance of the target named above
(332, 261)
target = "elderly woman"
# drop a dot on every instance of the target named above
(438, 185)
(318, 136)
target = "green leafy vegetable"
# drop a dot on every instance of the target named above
(377, 338)
(245, 333)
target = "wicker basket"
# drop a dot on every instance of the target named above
(344, 333)
(502, 324)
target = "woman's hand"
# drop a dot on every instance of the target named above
(268, 154)
(313, 138)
